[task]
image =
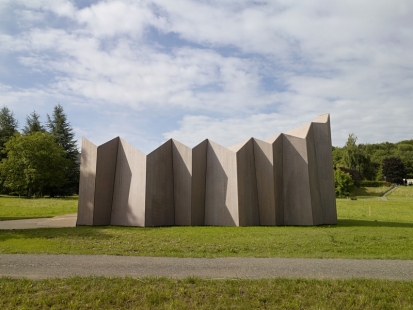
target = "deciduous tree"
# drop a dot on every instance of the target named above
(343, 183)
(393, 170)
(34, 163)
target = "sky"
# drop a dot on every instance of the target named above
(226, 70)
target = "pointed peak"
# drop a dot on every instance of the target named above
(323, 118)
(273, 139)
(86, 141)
(238, 146)
(300, 132)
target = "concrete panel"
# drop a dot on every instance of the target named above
(264, 171)
(221, 199)
(248, 211)
(322, 137)
(278, 166)
(160, 210)
(182, 181)
(313, 178)
(105, 181)
(86, 200)
(199, 168)
(296, 187)
(128, 208)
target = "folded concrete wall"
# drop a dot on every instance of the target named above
(285, 180)
(128, 204)
(87, 181)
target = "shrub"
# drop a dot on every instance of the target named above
(367, 183)
(343, 183)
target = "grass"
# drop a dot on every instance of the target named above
(194, 293)
(401, 193)
(15, 208)
(369, 192)
(366, 229)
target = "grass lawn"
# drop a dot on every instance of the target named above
(369, 192)
(368, 228)
(194, 293)
(15, 208)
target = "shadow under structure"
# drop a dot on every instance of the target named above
(284, 180)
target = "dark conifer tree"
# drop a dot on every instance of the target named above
(63, 132)
(8, 126)
(33, 124)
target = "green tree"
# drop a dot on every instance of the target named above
(34, 163)
(60, 128)
(343, 183)
(33, 124)
(8, 126)
(393, 170)
(351, 152)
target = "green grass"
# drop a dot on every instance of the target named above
(15, 208)
(194, 293)
(366, 229)
(401, 193)
(369, 192)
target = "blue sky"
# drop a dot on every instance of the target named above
(220, 69)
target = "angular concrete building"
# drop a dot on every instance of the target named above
(285, 180)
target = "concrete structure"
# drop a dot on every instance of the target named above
(285, 180)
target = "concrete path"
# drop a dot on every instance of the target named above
(68, 220)
(40, 266)
(49, 266)
(388, 192)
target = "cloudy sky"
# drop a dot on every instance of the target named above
(220, 69)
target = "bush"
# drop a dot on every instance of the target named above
(354, 174)
(343, 183)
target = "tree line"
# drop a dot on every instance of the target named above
(379, 163)
(42, 159)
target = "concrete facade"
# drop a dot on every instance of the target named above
(284, 180)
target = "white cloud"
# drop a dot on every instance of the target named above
(111, 18)
(234, 68)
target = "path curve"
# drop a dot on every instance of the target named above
(41, 266)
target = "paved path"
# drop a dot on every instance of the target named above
(39, 266)
(68, 220)
(50, 266)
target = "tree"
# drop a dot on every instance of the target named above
(343, 183)
(60, 128)
(33, 124)
(351, 152)
(34, 163)
(393, 170)
(8, 126)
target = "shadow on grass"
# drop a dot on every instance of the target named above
(352, 223)
(362, 191)
(81, 233)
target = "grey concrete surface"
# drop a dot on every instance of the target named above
(50, 266)
(86, 203)
(128, 206)
(221, 198)
(105, 181)
(68, 220)
(182, 177)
